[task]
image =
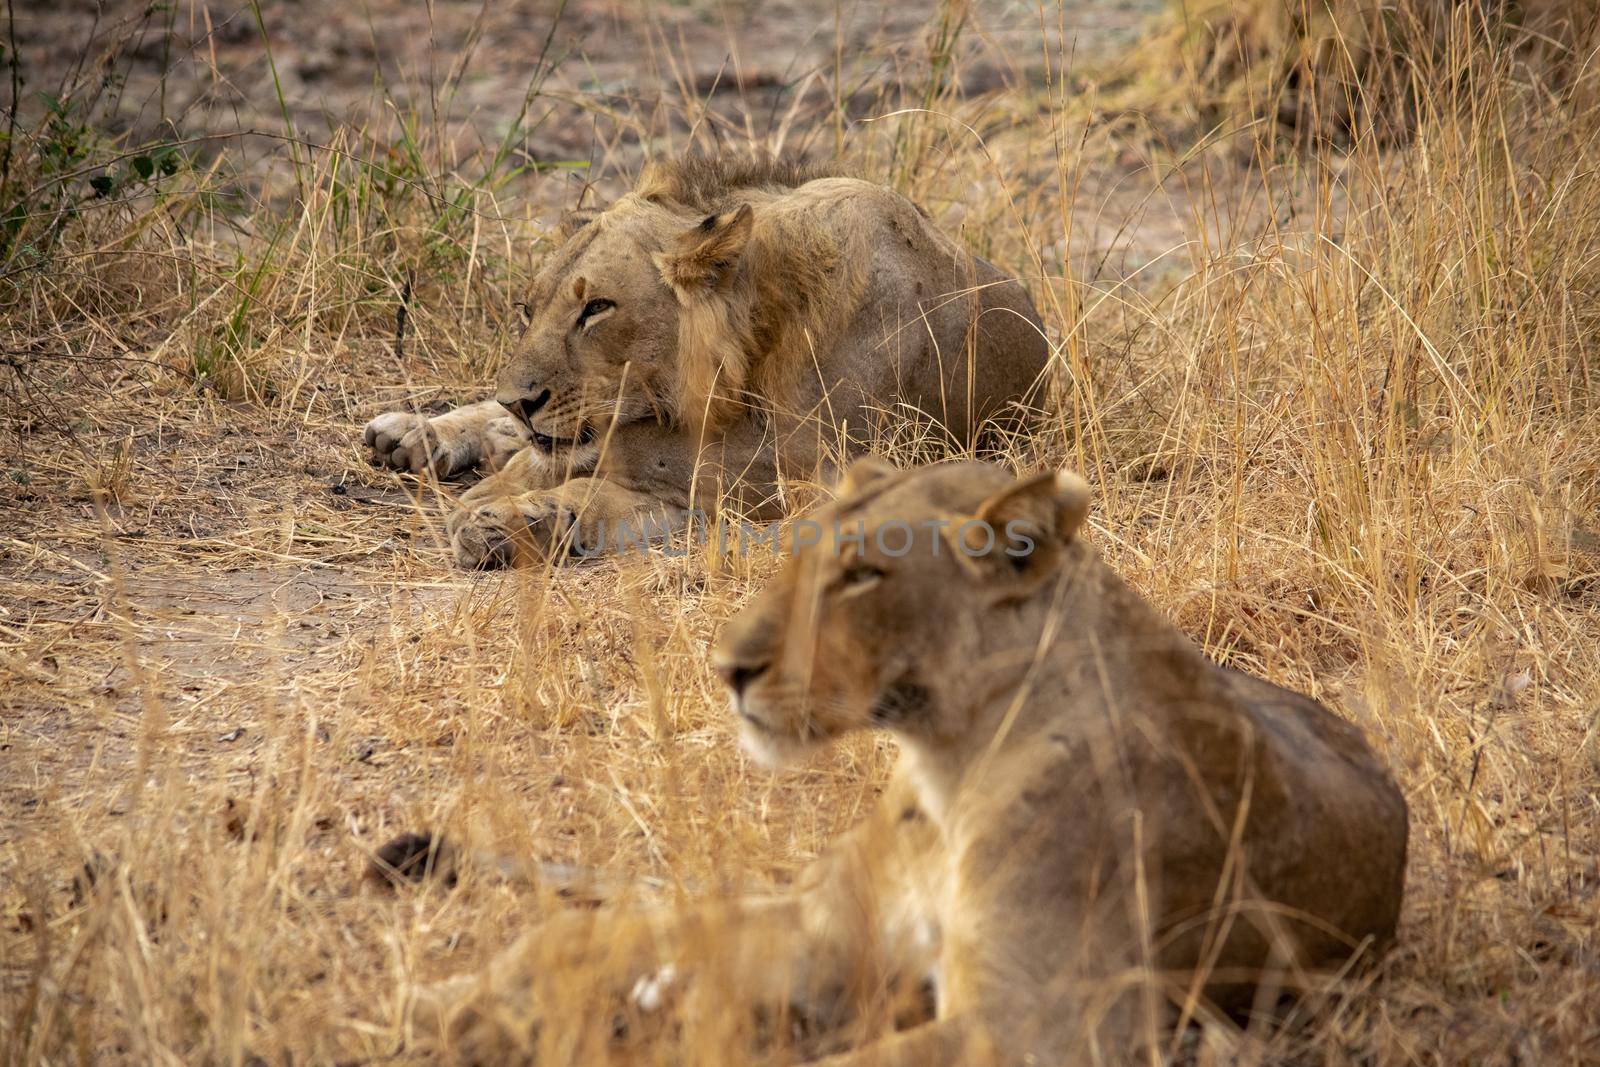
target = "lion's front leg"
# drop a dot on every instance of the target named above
(503, 440)
(524, 472)
(578, 518)
(447, 444)
(521, 472)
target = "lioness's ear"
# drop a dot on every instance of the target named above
(704, 254)
(573, 221)
(1054, 503)
(1021, 530)
(862, 473)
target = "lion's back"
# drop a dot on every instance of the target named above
(922, 320)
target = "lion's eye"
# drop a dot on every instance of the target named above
(525, 310)
(593, 308)
(860, 576)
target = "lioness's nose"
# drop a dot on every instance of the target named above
(738, 675)
(523, 408)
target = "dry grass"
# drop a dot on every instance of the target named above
(1343, 69)
(1340, 410)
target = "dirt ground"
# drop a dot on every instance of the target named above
(590, 88)
(468, 66)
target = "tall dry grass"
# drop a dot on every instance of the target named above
(1344, 69)
(1338, 402)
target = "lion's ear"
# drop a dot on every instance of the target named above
(704, 255)
(1020, 531)
(862, 473)
(573, 221)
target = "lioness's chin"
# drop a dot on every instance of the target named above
(768, 750)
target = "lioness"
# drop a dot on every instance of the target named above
(767, 304)
(1091, 829)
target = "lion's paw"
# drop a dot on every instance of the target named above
(536, 527)
(384, 434)
(405, 441)
(481, 537)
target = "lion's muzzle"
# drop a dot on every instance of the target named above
(523, 407)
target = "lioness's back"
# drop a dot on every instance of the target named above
(1327, 803)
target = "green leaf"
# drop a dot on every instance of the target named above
(102, 185)
(143, 166)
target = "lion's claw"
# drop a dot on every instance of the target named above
(385, 435)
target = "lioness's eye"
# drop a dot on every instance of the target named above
(593, 308)
(860, 576)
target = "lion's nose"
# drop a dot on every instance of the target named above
(738, 675)
(523, 408)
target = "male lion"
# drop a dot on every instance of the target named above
(764, 304)
(1092, 828)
